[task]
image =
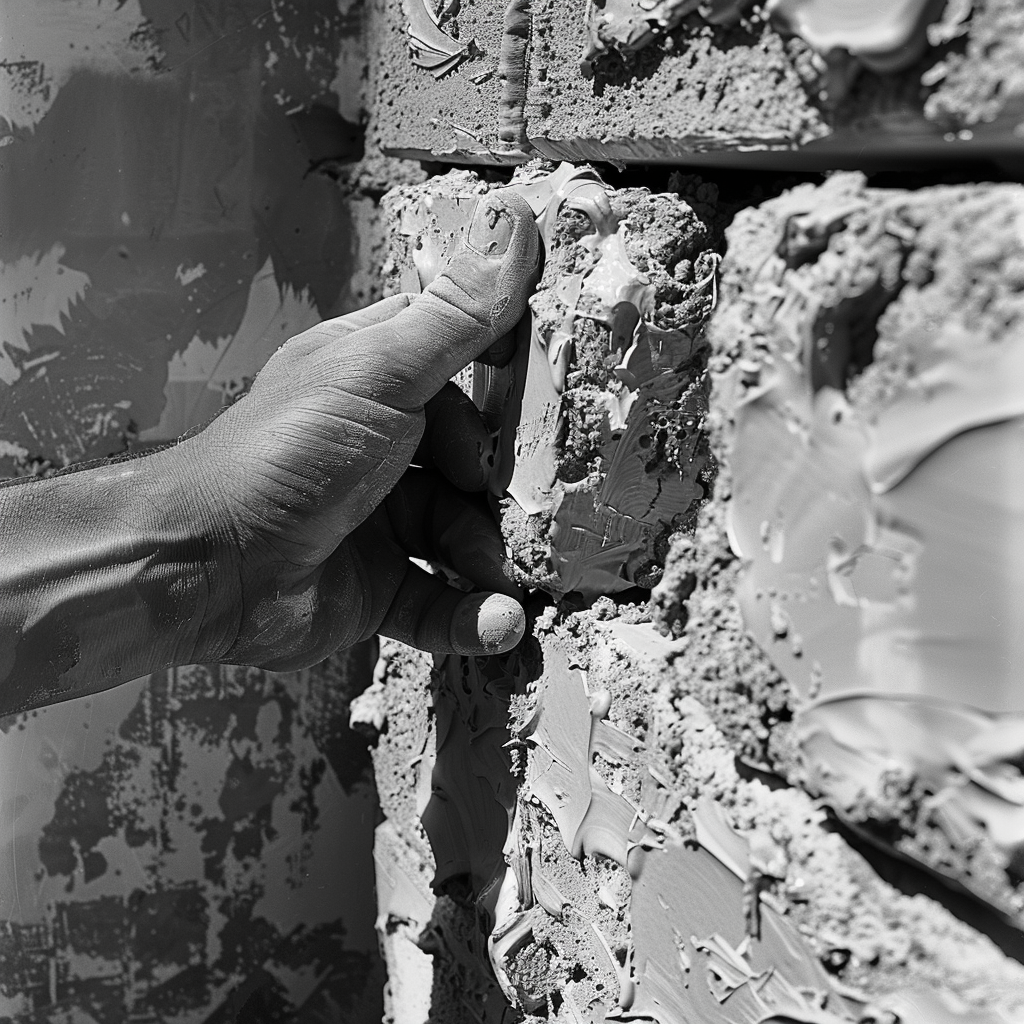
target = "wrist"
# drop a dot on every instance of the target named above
(201, 550)
(108, 573)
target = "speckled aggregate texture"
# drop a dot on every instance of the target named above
(723, 806)
(598, 418)
(703, 86)
(416, 111)
(738, 80)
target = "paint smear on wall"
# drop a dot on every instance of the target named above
(172, 852)
(205, 375)
(35, 290)
(46, 41)
(174, 184)
(173, 844)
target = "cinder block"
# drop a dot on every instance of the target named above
(788, 83)
(601, 450)
(729, 803)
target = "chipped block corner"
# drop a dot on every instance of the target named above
(784, 83)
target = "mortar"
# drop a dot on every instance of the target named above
(672, 852)
(600, 449)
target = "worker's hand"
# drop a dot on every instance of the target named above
(315, 507)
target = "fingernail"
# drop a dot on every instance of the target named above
(491, 230)
(487, 624)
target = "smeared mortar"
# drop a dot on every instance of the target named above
(601, 449)
(875, 368)
(638, 876)
(634, 875)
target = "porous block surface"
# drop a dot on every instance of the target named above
(417, 110)
(601, 451)
(676, 81)
(788, 788)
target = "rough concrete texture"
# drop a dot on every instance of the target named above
(641, 82)
(601, 453)
(440, 734)
(795, 794)
(435, 110)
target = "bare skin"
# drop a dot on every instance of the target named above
(282, 531)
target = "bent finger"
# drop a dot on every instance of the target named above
(455, 440)
(429, 614)
(433, 521)
(501, 352)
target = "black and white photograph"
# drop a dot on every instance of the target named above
(512, 511)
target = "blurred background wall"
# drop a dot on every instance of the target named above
(173, 205)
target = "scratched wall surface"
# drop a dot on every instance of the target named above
(195, 847)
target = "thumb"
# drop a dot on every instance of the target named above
(480, 296)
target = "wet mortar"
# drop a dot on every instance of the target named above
(710, 714)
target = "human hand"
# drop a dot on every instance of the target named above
(313, 507)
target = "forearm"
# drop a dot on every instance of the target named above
(106, 574)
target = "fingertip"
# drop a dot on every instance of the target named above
(487, 624)
(502, 219)
(477, 299)
(496, 267)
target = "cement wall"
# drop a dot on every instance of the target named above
(785, 788)
(652, 810)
